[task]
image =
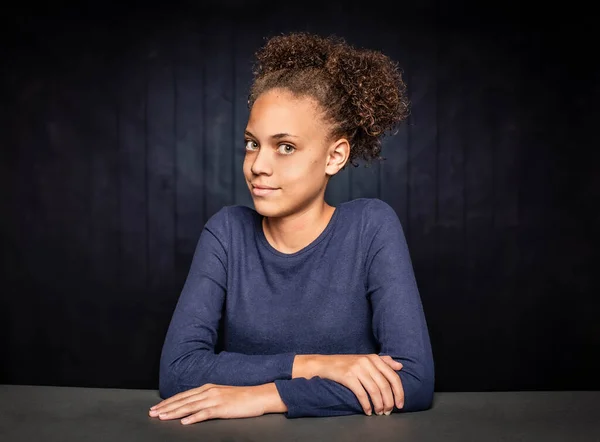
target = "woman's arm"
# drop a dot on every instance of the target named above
(188, 358)
(399, 325)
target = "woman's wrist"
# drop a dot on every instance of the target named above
(272, 399)
(307, 366)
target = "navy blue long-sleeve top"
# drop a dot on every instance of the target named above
(350, 291)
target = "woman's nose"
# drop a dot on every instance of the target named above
(261, 163)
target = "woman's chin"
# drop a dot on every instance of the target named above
(267, 208)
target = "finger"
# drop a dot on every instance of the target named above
(394, 381)
(373, 390)
(384, 388)
(357, 388)
(203, 415)
(198, 395)
(182, 395)
(182, 403)
(391, 362)
(184, 410)
(382, 374)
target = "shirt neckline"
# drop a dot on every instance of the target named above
(258, 229)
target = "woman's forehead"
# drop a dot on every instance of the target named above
(283, 98)
(277, 113)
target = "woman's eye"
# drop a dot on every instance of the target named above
(250, 142)
(286, 151)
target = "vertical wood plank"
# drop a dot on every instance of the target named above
(449, 279)
(68, 127)
(160, 162)
(190, 170)
(100, 129)
(218, 116)
(505, 128)
(479, 185)
(133, 174)
(422, 155)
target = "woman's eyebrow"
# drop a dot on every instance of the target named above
(276, 136)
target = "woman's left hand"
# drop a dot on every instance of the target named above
(211, 401)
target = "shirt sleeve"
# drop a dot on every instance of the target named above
(188, 358)
(399, 326)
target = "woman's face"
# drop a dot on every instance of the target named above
(287, 150)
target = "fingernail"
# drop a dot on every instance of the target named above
(185, 421)
(153, 412)
(153, 407)
(387, 413)
(162, 415)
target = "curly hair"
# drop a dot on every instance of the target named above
(361, 91)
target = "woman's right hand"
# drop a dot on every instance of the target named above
(367, 376)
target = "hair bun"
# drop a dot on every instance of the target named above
(298, 50)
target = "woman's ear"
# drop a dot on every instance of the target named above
(338, 154)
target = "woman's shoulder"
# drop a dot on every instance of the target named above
(372, 217)
(374, 211)
(368, 204)
(229, 218)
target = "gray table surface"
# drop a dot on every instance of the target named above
(45, 413)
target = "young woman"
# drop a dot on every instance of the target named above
(319, 307)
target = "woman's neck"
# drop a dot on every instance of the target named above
(292, 233)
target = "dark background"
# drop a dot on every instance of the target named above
(123, 133)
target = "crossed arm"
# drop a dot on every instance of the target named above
(211, 401)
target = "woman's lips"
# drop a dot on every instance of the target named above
(262, 192)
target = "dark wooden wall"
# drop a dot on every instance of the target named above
(123, 133)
